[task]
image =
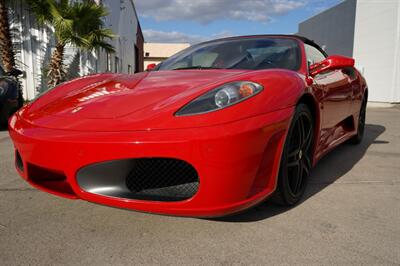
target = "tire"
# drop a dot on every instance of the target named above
(5, 113)
(357, 139)
(296, 161)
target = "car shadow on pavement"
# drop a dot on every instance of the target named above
(328, 170)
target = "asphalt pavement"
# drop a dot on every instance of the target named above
(350, 215)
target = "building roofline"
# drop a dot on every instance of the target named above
(324, 11)
(168, 43)
(137, 17)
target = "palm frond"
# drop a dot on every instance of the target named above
(106, 46)
(78, 23)
(90, 17)
(41, 10)
(100, 34)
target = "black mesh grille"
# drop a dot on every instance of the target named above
(162, 180)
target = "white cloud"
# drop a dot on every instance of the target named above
(179, 37)
(206, 11)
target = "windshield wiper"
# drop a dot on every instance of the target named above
(196, 67)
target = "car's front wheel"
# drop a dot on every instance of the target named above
(296, 161)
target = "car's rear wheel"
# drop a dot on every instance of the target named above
(357, 139)
(296, 161)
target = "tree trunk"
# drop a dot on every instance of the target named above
(6, 47)
(56, 72)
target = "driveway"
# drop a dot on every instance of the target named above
(350, 215)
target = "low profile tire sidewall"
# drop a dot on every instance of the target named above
(363, 111)
(283, 180)
(357, 139)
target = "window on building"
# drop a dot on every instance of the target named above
(136, 59)
(108, 62)
(116, 65)
(97, 60)
(313, 55)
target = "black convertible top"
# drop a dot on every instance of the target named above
(309, 42)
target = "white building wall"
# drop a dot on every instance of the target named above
(332, 29)
(34, 46)
(376, 47)
(123, 21)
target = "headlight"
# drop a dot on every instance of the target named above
(221, 97)
(3, 91)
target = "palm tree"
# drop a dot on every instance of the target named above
(6, 47)
(79, 24)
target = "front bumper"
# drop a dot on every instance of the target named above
(237, 163)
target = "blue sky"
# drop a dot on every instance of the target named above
(198, 20)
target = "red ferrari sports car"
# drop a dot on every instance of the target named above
(211, 131)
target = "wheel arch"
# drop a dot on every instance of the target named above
(366, 92)
(309, 100)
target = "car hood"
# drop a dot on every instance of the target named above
(114, 96)
(149, 100)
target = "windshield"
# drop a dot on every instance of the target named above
(254, 53)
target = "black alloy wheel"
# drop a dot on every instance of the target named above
(296, 162)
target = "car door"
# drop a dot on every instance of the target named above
(334, 91)
(355, 83)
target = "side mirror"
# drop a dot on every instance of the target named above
(15, 72)
(331, 63)
(150, 67)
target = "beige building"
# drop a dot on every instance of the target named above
(154, 53)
